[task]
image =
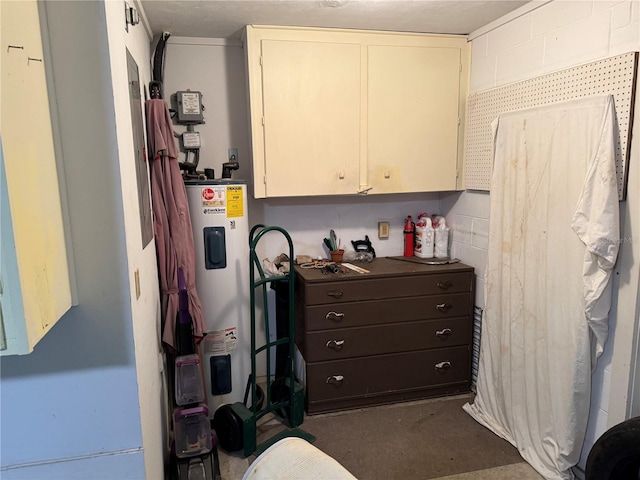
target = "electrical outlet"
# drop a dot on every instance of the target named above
(383, 230)
(233, 154)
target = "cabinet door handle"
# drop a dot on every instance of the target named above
(443, 307)
(335, 316)
(444, 333)
(335, 379)
(334, 293)
(445, 285)
(442, 367)
(335, 344)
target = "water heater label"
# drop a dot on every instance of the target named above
(213, 200)
(221, 342)
(235, 202)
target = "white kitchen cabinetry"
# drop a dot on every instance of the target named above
(347, 112)
(35, 288)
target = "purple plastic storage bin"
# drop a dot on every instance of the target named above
(192, 431)
(188, 381)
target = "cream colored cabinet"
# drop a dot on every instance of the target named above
(35, 288)
(312, 117)
(305, 112)
(413, 112)
(348, 112)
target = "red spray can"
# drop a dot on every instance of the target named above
(409, 237)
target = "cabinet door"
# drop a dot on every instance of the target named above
(413, 111)
(35, 277)
(311, 112)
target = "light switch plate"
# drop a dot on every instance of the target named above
(383, 230)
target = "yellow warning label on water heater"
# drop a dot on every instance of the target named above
(235, 202)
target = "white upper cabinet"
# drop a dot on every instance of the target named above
(34, 285)
(348, 112)
(311, 111)
(413, 112)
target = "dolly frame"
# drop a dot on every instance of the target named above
(294, 404)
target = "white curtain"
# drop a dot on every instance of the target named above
(553, 241)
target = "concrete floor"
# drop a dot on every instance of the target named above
(233, 468)
(521, 471)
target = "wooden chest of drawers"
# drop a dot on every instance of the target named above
(401, 332)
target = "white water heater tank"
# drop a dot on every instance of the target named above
(220, 224)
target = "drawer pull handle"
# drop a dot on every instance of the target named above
(445, 285)
(444, 333)
(443, 307)
(335, 316)
(335, 379)
(335, 344)
(442, 367)
(334, 294)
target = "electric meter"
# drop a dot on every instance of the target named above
(189, 107)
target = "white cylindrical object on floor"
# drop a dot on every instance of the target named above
(294, 458)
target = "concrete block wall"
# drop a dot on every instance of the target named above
(557, 35)
(467, 215)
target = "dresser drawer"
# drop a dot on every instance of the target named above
(380, 288)
(373, 312)
(381, 339)
(378, 375)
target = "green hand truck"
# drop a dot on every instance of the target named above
(235, 424)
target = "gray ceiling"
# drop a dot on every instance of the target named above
(226, 18)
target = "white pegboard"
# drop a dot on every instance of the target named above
(611, 76)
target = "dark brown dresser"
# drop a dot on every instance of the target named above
(401, 332)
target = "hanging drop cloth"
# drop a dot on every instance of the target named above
(171, 222)
(553, 241)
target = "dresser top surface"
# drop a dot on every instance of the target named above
(381, 268)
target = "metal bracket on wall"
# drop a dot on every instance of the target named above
(131, 16)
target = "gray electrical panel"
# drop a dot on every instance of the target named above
(189, 107)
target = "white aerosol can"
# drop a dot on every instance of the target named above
(424, 243)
